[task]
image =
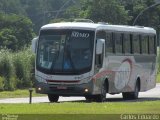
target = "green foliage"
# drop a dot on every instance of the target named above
(105, 11)
(8, 39)
(16, 69)
(24, 64)
(113, 11)
(41, 11)
(158, 60)
(11, 6)
(1, 83)
(158, 78)
(4, 59)
(96, 10)
(7, 70)
(15, 32)
(148, 18)
(19, 93)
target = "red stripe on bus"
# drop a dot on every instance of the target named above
(103, 73)
(63, 81)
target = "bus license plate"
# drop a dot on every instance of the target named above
(62, 87)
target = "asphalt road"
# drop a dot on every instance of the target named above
(151, 95)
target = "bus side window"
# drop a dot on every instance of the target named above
(155, 44)
(118, 42)
(109, 42)
(127, 43)
(131, 39)
(101, 35)
(136, 42)
(144, 42)
(151, 45)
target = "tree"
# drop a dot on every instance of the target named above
(105, 11)
(69, 14)
(8, 39)
(15, 31)
(11, 6)
(41, 11)
(149, 18)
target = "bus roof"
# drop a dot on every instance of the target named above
(99, 26)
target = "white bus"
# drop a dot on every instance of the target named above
(92, 59)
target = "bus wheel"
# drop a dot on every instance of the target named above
(102, 96)
(53, 98)
(132, 95)
(89, 98)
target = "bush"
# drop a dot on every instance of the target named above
(7, 69)
(24, 62)
(1, 83)
(16, 69)
(158, 53)
(12, 83)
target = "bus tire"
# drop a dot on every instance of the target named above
(89, 98)
(102, 97)
(132, 95)
(53, 98)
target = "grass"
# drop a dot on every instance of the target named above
(79, 111)
(158, 78)
(17, 94)
(74, 110)
(83, 108)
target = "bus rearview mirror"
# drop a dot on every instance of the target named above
(34, 44)
(99, 46)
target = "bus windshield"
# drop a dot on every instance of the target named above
(65, 51)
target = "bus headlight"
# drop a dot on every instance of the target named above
(86, 90)
(39, 89)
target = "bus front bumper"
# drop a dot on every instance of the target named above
(65, 90)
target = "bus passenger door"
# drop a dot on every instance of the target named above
(100, 53)
(99, 64)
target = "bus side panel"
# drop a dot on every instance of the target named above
(146, 71)
(123, 72)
